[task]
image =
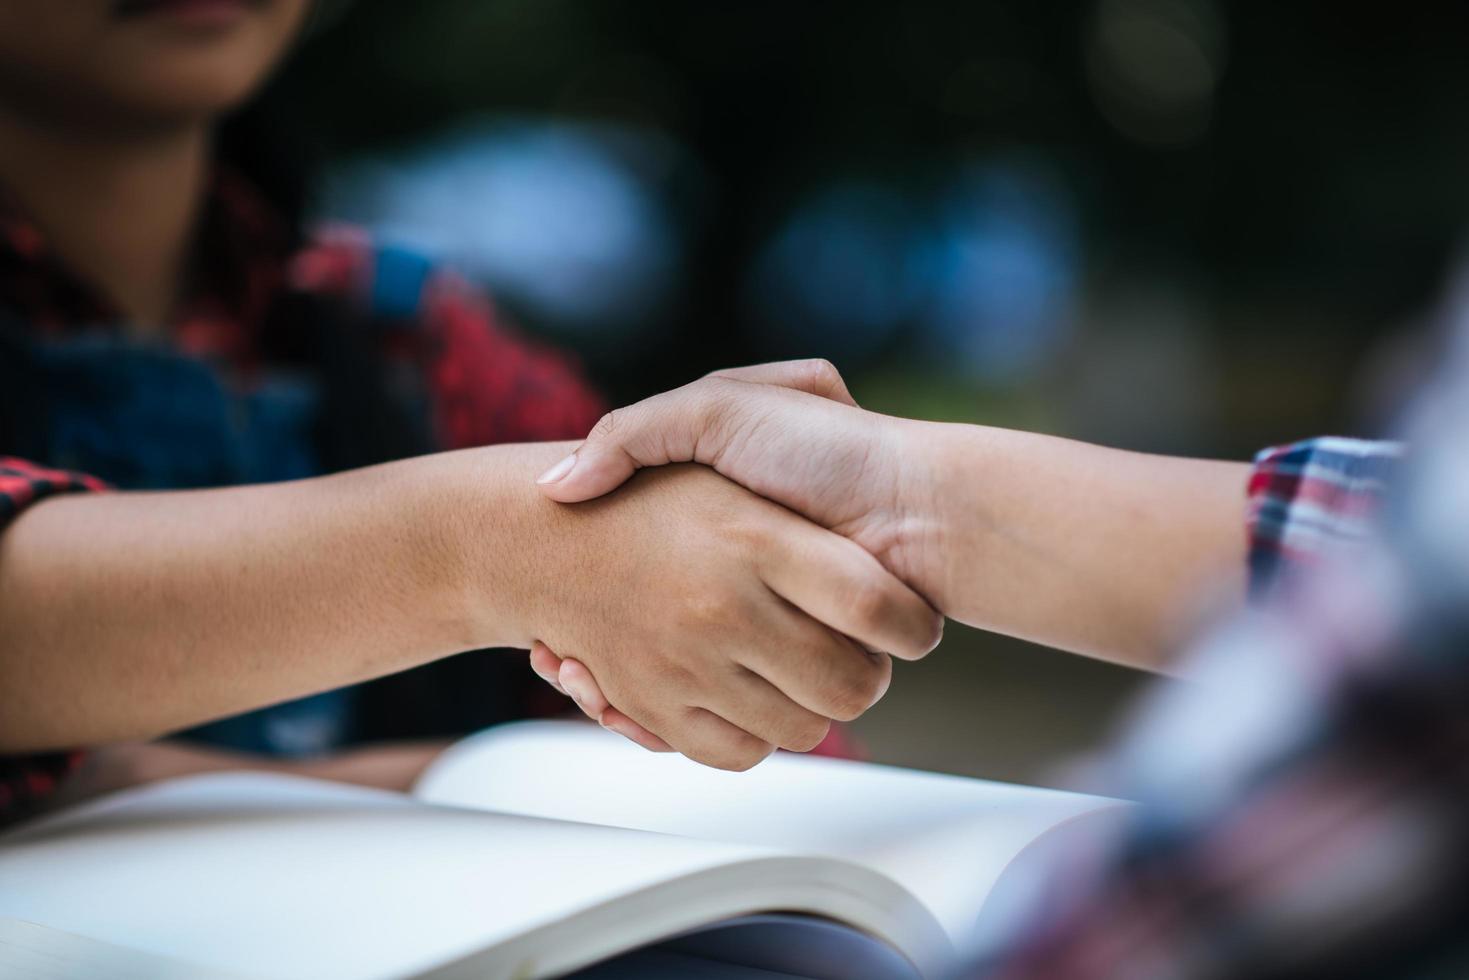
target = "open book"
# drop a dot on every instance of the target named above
(534, 849)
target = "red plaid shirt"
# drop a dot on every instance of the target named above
(1303, 800)
(483, 383)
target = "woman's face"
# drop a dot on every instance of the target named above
(138, 63)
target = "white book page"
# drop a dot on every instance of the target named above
(273, 876)
(944, 838)
(40, 953)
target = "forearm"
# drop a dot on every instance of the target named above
(1093, 550)
(392, 766)
(128, 615)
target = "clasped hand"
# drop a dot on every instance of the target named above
(805, 639)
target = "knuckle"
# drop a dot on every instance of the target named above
(749, 536)
(735, 751)
(821, 374)
(871, 604)
(935, 633)
(607, 424)
(670, 676)
(858, 686)
(729, 762)
(882, 674)
(713, 608)
(721, 382)
(746, 757)
(845, 704)
(807, 735)
(713, 406)
(920, 635)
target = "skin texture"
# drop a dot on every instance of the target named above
(128, 615)
(395, 766)
(106, 119)
(1084, 548)
(114, 69)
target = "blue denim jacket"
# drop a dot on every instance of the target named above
(145, 417)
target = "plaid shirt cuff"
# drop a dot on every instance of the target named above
(26, 779)
(23, 483)
(1309, 497)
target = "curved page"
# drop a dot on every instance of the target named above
(946, 839)
(271, 876)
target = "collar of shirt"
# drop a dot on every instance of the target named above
(243, 250)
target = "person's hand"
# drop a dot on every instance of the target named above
(721, 623)
(572, 679)
(789, 431)
(1084, 548)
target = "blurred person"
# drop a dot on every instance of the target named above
(1303, 792)
(167, 327)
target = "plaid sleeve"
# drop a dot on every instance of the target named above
(25, 779)
(1304, 802)
(23, 483)
(491, 386)
(485, 384)
(1308, 496)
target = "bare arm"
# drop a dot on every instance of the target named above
(128, 615)
(1089, 549)
(392, 766)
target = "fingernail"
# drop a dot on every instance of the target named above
(559, 471)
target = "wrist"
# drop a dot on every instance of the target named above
(982, 498)
(483, 534)
(926, 516)
(957, 480)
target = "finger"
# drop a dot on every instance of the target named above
(587, 694)
(583, 688)
(711, 740)
(821, 670)
(816, 375)
(615, 721)
(837, 582)
(659, 430)
(546, 665)
(689, 424)
(750, 702)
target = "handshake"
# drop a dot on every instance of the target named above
(745, 589)
(802, 569)
(763, 593)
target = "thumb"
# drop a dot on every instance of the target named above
(658, 430)
(689, 424)
(814, 375)
(679, 426)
